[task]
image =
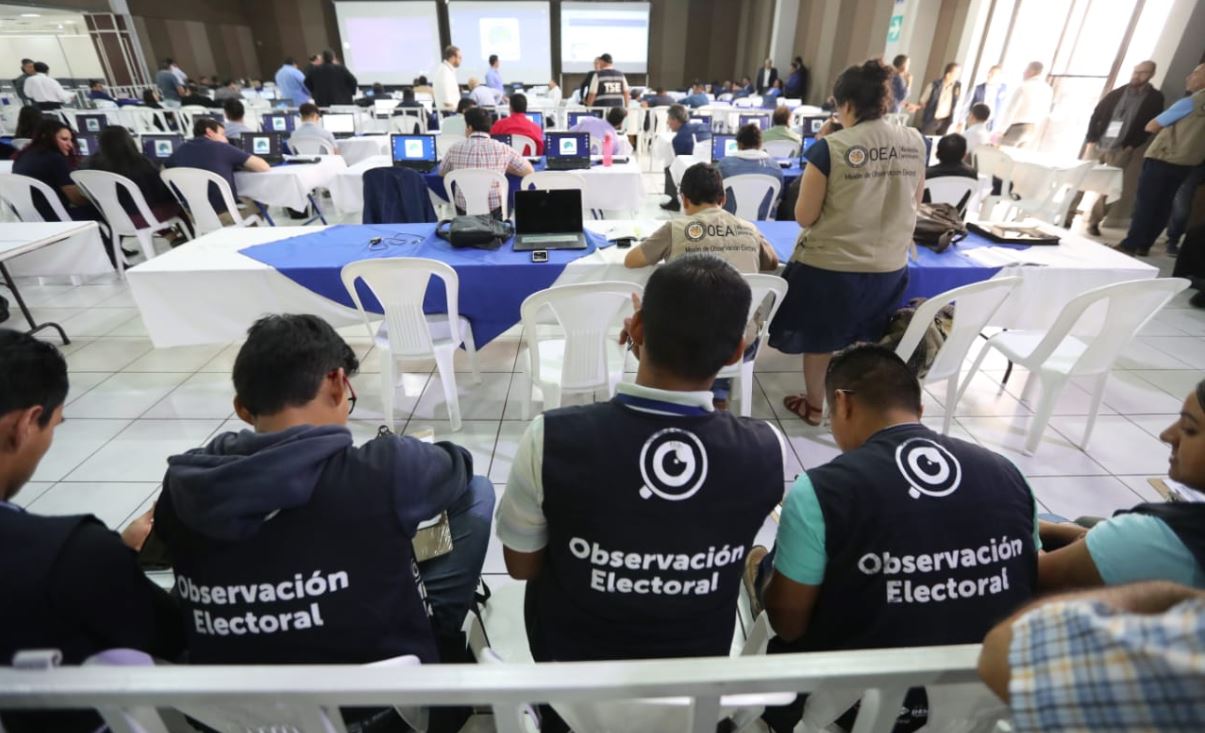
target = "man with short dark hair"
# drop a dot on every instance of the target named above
(909, 538)
(45, 91)
(493, 78)
(311, 127)
(235, 113)
(96, 92)
(518, 123)
(951, 153)
(628, 518)
(686, 134)
(977, 132)
(19, 82)
(195, 98)
(599, 128)
(766, 76)
(940, 100)
(447, 89)
(609, 87)
(657, 97)
(697, 97)
(292, 545)
(211, 150)
(750, 159)
(229, 90)
(331, 82)
(169, 88)
(68, 582)
(478, 150)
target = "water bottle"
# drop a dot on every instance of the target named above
(608, 144)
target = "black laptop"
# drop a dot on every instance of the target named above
(86, 144)
(92, 124)
(548, 220)
(813, 123)
(160, 147)
(567, 151)
(416, 152)
(264, 144)
(761, 121)
(722, 146)
(281, 122)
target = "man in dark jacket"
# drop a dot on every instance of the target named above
(940, 101)
(766, 76)
(1116, 134)
(330, 82)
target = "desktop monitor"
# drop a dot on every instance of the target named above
(722, 146)
(160, 147)
(277, 122)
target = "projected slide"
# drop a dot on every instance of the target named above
(389, 42)
(592, 29)
(519, 32)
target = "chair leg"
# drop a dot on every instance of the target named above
(971, 374)
(388, 387)
(1098, 393)
(447, 376)
(951, 403)
(470, 347)
(146, 241)
(1051, 388)
(529, 391)
(745, 380)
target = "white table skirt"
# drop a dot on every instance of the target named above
(355, 149)
(205, 291)
(81, 254)
(289, 185)
(618, 188)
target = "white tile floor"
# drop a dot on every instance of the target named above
(131, 406)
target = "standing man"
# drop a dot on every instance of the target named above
(1028, 108)
(19, 83)
(901, 83)
(1179, 145)
(766, 76)
(330, 82)
(165, 80)
(585, 87)
(493, 79)
(181, 77)
(291, 84)
(609, 87)
(44, 91)
(940, 100)
(1118, 129)
(447, 90)
(993, 93)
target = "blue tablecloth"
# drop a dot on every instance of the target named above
(490, 296)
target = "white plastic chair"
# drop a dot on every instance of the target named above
(400, 284)
(553, 181)
(781, 149)
(974, 305)
(408, 124)
(952, 708)
(1054, 356)
(991, 161)
(750, 190)
(957, 191)
(17, 191)
(101, 188)
(702, 150)
(189, 113)
(475, 185)
(1051, 202)
(763, 286)
(452, 126)
(522, 144)
(311, 146)
(575, 362)
(190, 186)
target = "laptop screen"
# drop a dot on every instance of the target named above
(722, 146)
(268, 93)
(761, 121)
(812, 124)
(576, 117)
(567, 145)
(502, 138)
(704, 120)
(160, 147)
(263, 144)
(85, 145)
(413, 147)
(537, 117)
(548, 212)
(339, 123)
(91, 123)
(277, 123)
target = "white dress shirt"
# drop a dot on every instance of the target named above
(484, 96)
(976, 135)
(447, 91)
(1030, 104)
(41, 88)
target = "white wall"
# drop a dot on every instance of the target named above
(69, 56)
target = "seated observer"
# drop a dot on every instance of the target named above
(750, 159)
(210, 150)
(780, 127)
(1160, 541)
(118, 153)
(909, 538)
(630, 518)
(235, 113)
(518, 123)
(246, 510)
(311, 128)
(951, 159)
(598, 128)
(67, 582)
(478, 150)
(686, 134)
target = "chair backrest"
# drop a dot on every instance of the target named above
(475, 184)
(190, 186)
(553, 181)
(17, 191)
(660, 120)
(408, 123)
(781, 148)
(400, 285)
(1128, 306)
(311, 146)
(523, 144)
(763, 286)
(702, 150)
(991, 161)
(974, 305)
(452, 126)
(956, 191)
(101, 187)
(750, 191)
(104, 104)
(586, 313)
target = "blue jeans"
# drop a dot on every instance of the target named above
(1157, 186)
(1182, 205)
(451, 579)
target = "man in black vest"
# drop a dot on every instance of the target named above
(67, 582)
(291, 545)
(630, 519)
(609, 87)
(910, 538)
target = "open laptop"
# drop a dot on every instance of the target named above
(85, 144)
(813, 123)
(567, 151)
(91, 123)
(268, 93)
(537, 117)
(160, 147)
(416, 152)
(264, 144)
(722, 146)
(340, 125)
(548, 220)
(277, 122)
(704, 120)
(761, 121)
(502, 138)
(384, 106)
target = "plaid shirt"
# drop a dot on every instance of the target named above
(480, 151)
(1088, 667)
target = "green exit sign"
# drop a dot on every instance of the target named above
(894, 28)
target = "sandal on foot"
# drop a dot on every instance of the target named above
(796, 401)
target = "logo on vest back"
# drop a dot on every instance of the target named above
(855, 156)
(694, 231)
(928, 468)
(673, 465)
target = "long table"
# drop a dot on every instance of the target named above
(210, 291)
(26, 239)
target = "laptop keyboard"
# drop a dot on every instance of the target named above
(548, 238)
